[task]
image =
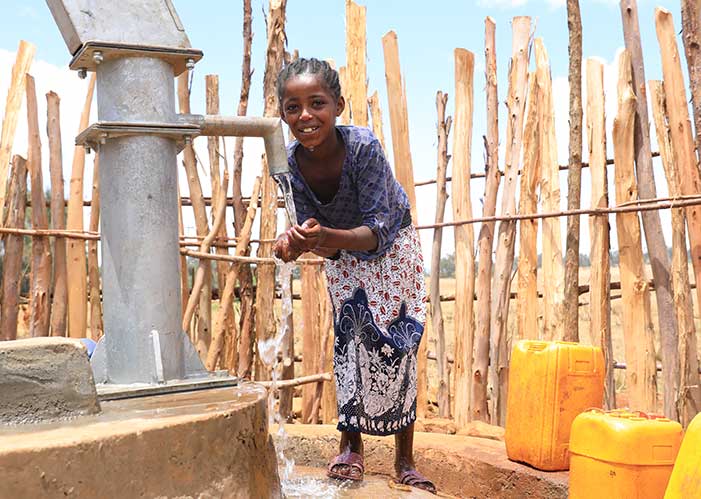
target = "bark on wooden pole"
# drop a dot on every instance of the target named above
(680, 126)
(639, 347)
(478, 404)
(96, 326)
(245, 344)
(688, 396)
(14, 248)
(13, 103)
(265, 317)
(654, 237)
(311, 337)
(464, 234)
(691, 24)
(501, 281)
(356, 56)
(376, 114)
(600, 273)
(527, 297)
(436, 312)
(75, 249)
(204, 322)
(404, 171)
(574, 177)
(227, 295)
(58, 216)
(40, 313)
(553, 271)
(345, 118)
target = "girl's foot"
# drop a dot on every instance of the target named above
(347, 466)
(413, 478)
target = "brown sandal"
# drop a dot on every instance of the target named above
(350, 459)
(415, 479)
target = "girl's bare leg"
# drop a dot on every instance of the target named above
(404, 457)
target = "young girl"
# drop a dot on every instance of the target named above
(352, 211)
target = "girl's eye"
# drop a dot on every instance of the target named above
(291, 108)
(318, 103)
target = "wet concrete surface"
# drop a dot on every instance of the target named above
(212, 442)
(311, 482)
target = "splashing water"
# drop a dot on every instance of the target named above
(284, 181)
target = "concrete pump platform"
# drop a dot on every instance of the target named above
(208, 443)
(461, 466)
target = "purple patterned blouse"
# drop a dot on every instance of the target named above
(368, 193)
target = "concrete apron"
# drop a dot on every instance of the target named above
(211, 443)
(459, 465)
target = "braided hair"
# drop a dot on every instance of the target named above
(313, 66)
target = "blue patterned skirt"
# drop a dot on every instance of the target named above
(379, 309)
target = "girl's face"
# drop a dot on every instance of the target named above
(310, 110)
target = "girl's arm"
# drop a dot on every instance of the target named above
(311, 235)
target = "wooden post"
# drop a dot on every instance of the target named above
(75, 248)
(574, 177)
(58, 214)
(688, 396)
(96, 325)
(204, 324)
(640, 351)
(376, 113)
(311, 336)
(436, 312)
(184, 276)
(404, 171)
(227, 295)
(527, 296)
(329, 411)
(464, 234)
(23, 61)
(480, 410)
(40, 313)
(654, 237)
(345, 117)
(356, 55)
(680, 126)
(265, 294)
(501, 281)
(553, 271)
(14, 248)
(245, 353)
(691, 20)
(600, 273)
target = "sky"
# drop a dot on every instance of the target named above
(428, 33)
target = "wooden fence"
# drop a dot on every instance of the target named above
(56, 256)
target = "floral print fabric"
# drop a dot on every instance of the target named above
(379, 313)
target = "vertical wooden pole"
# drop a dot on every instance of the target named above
(75, 248)
(265, 294)
(691, 24)
(23, 61)
(600, 273)
(527, 296)
(654, 236)
(204, 324)
(58, 215)
(640, 351)
(184, 276)
(40, 312)
(436, 312)
(245, 353)
(464, 234)
(688, 396)
(14, 248)
(680, 126)
(553, 271)
(356, 55)
(404, 171)
(574, 177)
(329, 401)
(311, 336)
(96, 326)
(480, 410)
(345, 118)
(501, 281)
(376, 113)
